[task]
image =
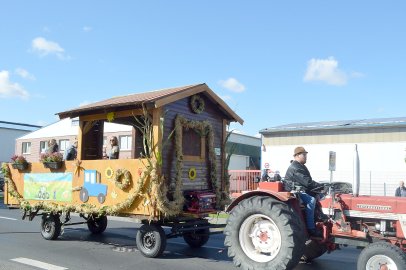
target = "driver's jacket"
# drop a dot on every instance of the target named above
(298, 175)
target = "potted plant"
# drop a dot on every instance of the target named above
(52, 161)
(19, 162)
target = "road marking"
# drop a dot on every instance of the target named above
(38, 264)
(8, 218)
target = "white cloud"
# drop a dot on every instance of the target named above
(233, 85)
(84, 103)
(44, 47)
(325, 70)
(10, 89)
(87, 28)
(24, 74)
(226, 98)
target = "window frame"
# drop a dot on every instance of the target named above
(128, 142)
(66, 144)
(27, 148)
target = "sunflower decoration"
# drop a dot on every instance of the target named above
(197, 104)
(109, 173)
(192, 174)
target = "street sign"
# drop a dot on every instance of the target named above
(332, 161)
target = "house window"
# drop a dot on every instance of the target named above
(125, 142)
(26, 147)
(193, 145)
(43, 146)
(63, 145)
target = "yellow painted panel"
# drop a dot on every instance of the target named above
(114, 194)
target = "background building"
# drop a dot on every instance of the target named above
(246, 152)
(9, 132)
(381, 146)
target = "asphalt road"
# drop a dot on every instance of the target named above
(22, 247)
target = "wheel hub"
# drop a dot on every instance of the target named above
(149, 240)
(381, 262)
(260, 238)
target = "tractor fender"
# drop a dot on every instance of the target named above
(281, 196)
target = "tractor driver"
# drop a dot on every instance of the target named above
(298, 175)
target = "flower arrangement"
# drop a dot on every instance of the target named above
(53, 157)
(18, 159)
(19, 162)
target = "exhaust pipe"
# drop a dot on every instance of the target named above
(356, 179)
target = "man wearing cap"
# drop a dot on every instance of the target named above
(299, 176)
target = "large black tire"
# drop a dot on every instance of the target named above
(197, 238)
(151, 240)
(264, 233)
(380, 253)
(50, 226)
(97, 225)
(313, 250)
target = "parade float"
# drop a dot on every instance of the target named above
(176, 174)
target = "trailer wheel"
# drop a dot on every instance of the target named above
(381, 253)
(313, 250)
(97, 225)
(197, 238)
(151, 240)
(50, 226)
(264, 233)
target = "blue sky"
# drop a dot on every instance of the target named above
(273, 62)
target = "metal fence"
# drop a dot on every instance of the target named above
(378, 183)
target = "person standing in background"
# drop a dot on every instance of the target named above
(401, 190)
(52, 146)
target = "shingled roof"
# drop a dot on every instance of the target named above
(152, 99)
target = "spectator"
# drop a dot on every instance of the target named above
(115, 150)
(265, 177)
(52, 146)
(71, 152)
(401, 190)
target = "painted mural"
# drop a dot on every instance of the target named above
(48, 186)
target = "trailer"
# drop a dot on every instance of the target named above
(176, 174)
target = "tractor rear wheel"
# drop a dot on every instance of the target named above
(381, 253)
(313, 250)
(97, 225)
(264, 233)
(50, 226)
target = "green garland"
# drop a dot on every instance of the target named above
(205, 129)
(197, 104)
(126, 182)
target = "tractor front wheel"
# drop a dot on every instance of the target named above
(381, 253)
(264, 233)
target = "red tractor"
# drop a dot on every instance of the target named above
(266, 229)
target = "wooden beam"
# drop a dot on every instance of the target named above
(118, 114)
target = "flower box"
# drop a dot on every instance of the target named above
(53, 165)
(20, 166)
